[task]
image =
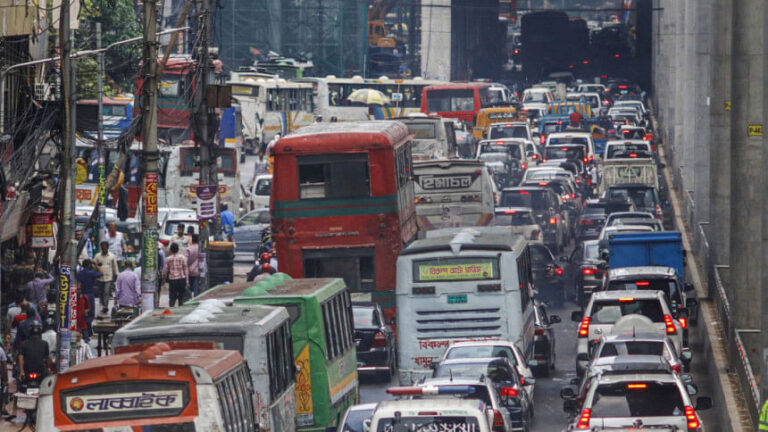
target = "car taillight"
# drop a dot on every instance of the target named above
(379, 340)
(693, 421)
(559, 271)
(164, 242)
(585, 222)
(683, 322)
(585, 160)
(542, 139)
(587, 271)
(544, 160)
(584, 327)
(534, 156)
(552, 221)
(523, 166)
(498, 420)
(539, 332)
(591, 158)
(676, 368)
(670, 325)
(509, 392)
(32, 375)
(583, 423)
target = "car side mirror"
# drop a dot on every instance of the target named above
(555, 319)
(603, 266)
(692, 389)
(567, 392)
(604, 255)
(689, 287)
(576, 316)
(686, 378)
(366, 425)
(686, 355)
(703, 403)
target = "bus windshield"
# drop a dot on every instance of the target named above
(450, 100)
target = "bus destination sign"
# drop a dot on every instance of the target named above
(475, 270)
(433, 182)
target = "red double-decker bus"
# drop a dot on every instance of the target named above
(342, 204)
(460, 101)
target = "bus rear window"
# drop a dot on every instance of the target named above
(422, 130)
(457, 424)
(450, 100)
(456, 269)
(334, 176)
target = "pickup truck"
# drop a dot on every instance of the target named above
(627, 171)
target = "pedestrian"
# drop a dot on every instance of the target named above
(14, 309)
(193, 264)
(190, 231)
(227, 222)
(176, 273)
(127, 289)
(179, 238)
(88, 275)
(83, 351)
(260, 166)
(116, 242)
(83, 307)
(37, 288)
(107, 264)
(23, 332)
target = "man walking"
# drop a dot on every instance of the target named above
(180, 238)
(116, 241)
(37, 290)
(88, 276)
(193, 264)
(177, 274)
(107, 264)
(127, 289)
(227, 222)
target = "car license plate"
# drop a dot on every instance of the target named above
(455, 299)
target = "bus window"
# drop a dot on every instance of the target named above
(190, 161)
(450, 100)
(333, 176)
(114, 110)
(354, 265)
(170, 86)
(226, 162)
(524, 276)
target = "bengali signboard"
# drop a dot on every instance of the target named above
(42, 230)
(206, 202)
(66, 307)
(150, 193)
(121, 402)
(469, 269)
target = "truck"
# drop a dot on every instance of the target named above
(627, 171)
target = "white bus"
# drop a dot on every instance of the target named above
(262, 334)
(270, 106)
(453, 193)
(331, 95)
(469, 284)
(181, 176)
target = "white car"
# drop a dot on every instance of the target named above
(485, 349)
(519, 220)
(171, 220)
(545, 173)
(413, 414)
(559, 138)
(606, 308)
(260, 191)
(625, 148)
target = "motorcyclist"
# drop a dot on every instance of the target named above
(258, 267)
(34, 356)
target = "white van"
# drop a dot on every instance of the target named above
(465, 415)
(469, 284)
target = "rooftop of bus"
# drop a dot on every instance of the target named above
(236, 315)
(457, 86)
(200, 354)
(461, 239)
(105, 100)
(317, 287)
(448, 163)
(343, 136)
(222, 292)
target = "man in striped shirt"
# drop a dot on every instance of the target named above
(176, 273)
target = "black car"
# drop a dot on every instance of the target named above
(590, 221)
(645, 197)
(544, 339)
(546, 210)
(374, 340)
(548, 279)
(584, 270)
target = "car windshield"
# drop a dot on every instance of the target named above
(535, 97)
(354, 420)
(508, 132)
(364, 317)
(553, 127)
(254, 217)
(567, 140)
(669, 287)
(422, 130)
(479, 392)
(428, 424)
(651, 399)
(642, 197)
(594, 211)
(534, 199)
(611, 349)
(554, 152)
(609, 311)
(513, 218)
(483, 351)
(613, 150)
(494, 371)
(263, 186)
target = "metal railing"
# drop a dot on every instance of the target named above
(746, 377)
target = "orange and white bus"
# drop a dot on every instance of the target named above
(176, 386)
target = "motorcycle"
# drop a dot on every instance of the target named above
(27, 397)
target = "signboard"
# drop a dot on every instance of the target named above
(458, 270)
(755, 130)
(150, 193)
(81, 173)
(42, 231)
(123, 402)
(434, 182)
(305, 412)
(66, 297)
(206, 202)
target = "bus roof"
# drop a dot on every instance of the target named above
(228, 291)
(463, 239)
(448, 163)
(343, 136)
(457, 86)
(231, 318)
(105, 100)
(320, 288)
(214, 361)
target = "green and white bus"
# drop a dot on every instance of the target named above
(323, 344)
(260, 333)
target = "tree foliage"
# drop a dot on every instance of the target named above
(119, 21)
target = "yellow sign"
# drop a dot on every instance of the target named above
(42, 230)
(304, 409)
(727, 105)
(462, 271)
(755, 130)
(81, 172)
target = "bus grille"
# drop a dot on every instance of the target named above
(459, 323)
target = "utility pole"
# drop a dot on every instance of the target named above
(67, 282)
(205, 119)
(100, 141)
(150, 156)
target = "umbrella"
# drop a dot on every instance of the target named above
(368, 97)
